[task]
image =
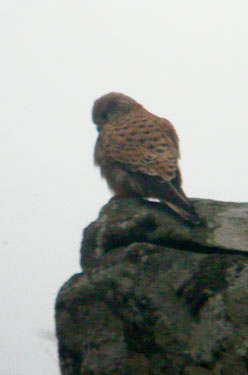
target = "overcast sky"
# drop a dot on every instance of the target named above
(184, 60)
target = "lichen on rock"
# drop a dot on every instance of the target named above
(156, 295)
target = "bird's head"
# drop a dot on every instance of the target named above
(110, 106)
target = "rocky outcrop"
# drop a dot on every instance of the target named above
(157, 295)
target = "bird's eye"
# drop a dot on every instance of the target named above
(105, 116)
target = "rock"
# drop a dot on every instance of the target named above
(157, 295)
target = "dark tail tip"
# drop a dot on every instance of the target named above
(194, 219)
(188, 215)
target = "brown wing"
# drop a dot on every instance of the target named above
(146, 144)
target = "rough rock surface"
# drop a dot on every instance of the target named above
(157, 295)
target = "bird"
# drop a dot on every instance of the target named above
(138, 154)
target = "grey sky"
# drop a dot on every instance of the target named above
(184, 60)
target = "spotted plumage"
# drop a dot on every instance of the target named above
(138, 153)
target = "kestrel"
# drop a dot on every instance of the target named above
(138, 153)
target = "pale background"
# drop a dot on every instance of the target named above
(184, 60)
